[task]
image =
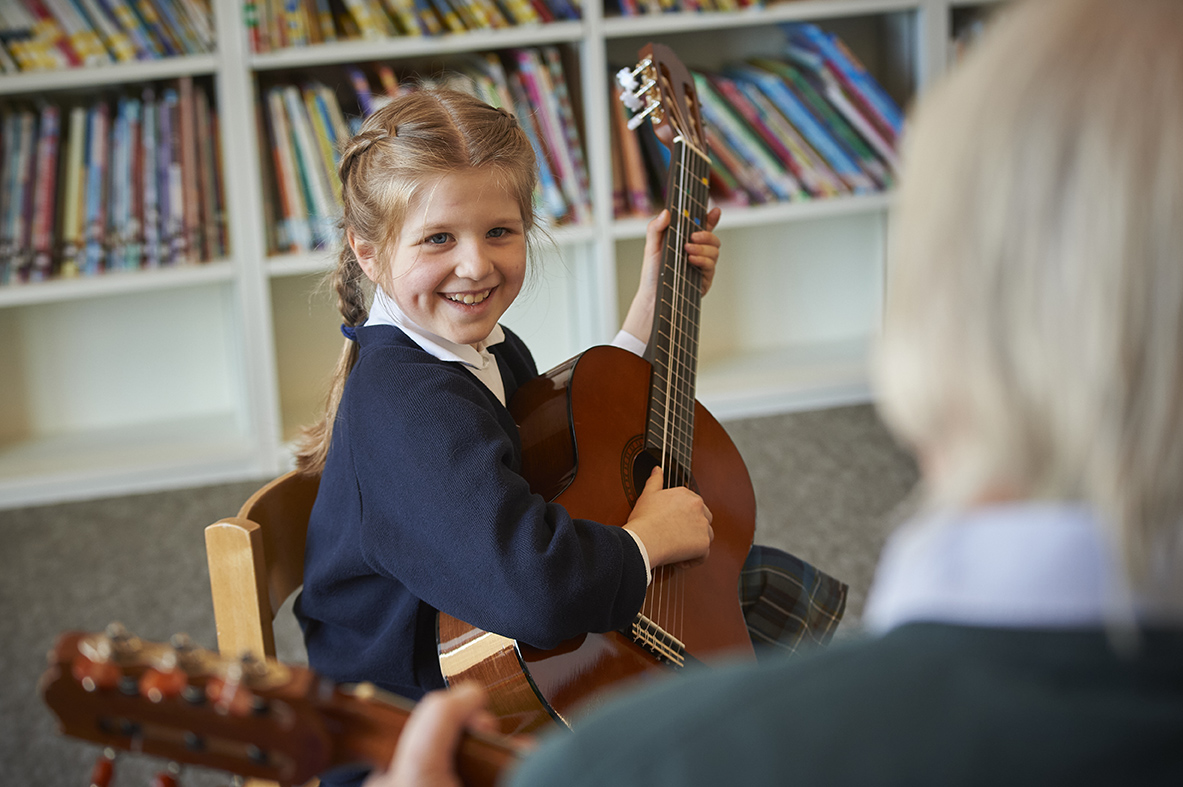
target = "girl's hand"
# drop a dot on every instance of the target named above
(674, 524)
(702, 252)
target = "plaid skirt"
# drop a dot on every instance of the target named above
(787, 603)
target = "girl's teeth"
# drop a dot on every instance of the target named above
(469, 298)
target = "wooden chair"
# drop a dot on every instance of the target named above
(256, 561)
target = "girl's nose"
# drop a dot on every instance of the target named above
(474, 263)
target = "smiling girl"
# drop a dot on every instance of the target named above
(421, 506)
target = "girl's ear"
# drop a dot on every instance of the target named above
(366, 255)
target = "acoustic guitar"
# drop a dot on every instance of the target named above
(251, 718)
(592, 431)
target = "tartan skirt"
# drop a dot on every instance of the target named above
(787, 603)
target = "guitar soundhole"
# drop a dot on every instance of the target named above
(637, 463)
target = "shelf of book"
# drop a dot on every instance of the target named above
(777, 213)
(75, 79)
(365, 50)
(237, 350)
(753, 16)
(116, 283)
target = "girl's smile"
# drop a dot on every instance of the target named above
(460, 257)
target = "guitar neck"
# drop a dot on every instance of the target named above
(367, 731)
(673, 345)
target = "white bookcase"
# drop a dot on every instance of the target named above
(179, 377)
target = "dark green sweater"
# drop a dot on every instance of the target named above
(926, 704)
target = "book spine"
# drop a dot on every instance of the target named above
(566, 114)
(818, 137)
(150, 184)
(189, 175)
(205, 174)
(96, 179)
(845, 63)
(146, 46)
(297, 231)
(716, 111)
(324, 137)
(541, 95)
(550, 197)
(311, 168)
(361, 88)
(816, 173)
(71, 225)
(154, 26)
(108, 32)
(45, 185)
(134, 231)
(116, 190)
(636, 184)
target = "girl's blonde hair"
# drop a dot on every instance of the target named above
(1033, 341)
(404, 145)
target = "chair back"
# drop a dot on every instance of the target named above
(256, 561)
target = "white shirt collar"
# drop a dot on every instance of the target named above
(1013, 566)
(478, 360)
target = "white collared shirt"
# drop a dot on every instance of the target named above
(1016, 565)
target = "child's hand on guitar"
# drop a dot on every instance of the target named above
(674, 524)
(702, 252)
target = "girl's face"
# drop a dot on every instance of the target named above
(460, 257)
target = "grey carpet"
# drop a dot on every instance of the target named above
(827, 486)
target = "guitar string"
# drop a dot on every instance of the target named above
(659, 612)
(680, 231)
(675, 245)
(685, 298)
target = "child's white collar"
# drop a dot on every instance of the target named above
(481, 362)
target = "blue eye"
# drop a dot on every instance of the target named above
(498, 232)
(438, 238)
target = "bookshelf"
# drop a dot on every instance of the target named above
(202, 373)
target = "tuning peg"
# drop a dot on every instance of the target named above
(104, 769)
(167, 778)
(637, 120)
(627, 79)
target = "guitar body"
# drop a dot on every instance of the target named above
(582, 427)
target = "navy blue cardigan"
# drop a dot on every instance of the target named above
(422, 508)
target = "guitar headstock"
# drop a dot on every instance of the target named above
(661, 88)
(186, 704)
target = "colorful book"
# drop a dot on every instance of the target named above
(549, 198)
(403, 12)
(841, 130)
(310, 169)
(45, 186)
(850, 70)
(71, 223)
(150, 178)
(818, 136)
(745, 143)
(125, 14)
(636, 186)
(295, 229)
(207, 177)
(541, 93)
(816, 175)
(361, 88)
(97, 139)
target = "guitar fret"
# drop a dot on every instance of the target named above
(672, 398)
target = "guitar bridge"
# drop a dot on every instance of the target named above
(653, 638)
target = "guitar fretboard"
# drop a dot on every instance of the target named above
(674, 342)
